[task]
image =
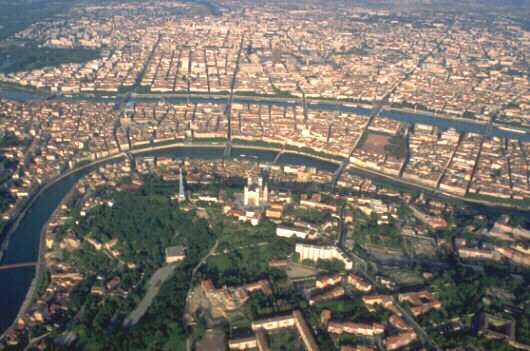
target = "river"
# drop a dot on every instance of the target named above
(461, 125)
(24, 243)
(24, 247)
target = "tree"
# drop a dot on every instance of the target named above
(397, 146)
(333, 265)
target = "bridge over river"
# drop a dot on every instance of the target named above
(17, 265)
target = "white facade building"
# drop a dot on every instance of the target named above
(256, 192)
(327, 252)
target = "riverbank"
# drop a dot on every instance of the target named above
(315, 103)
(491, 202)
(436, 115)
(26, 243)
(251, 145)
(13, 223)
(40, 266)
(443, 120)
(277, 148)
(27, 205)
(29, 229)
(261, 146)
(6, 86)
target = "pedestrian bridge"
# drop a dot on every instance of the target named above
(17, 265)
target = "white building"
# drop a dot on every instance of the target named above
(318, 252)
(288, 232)
(256, 192)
